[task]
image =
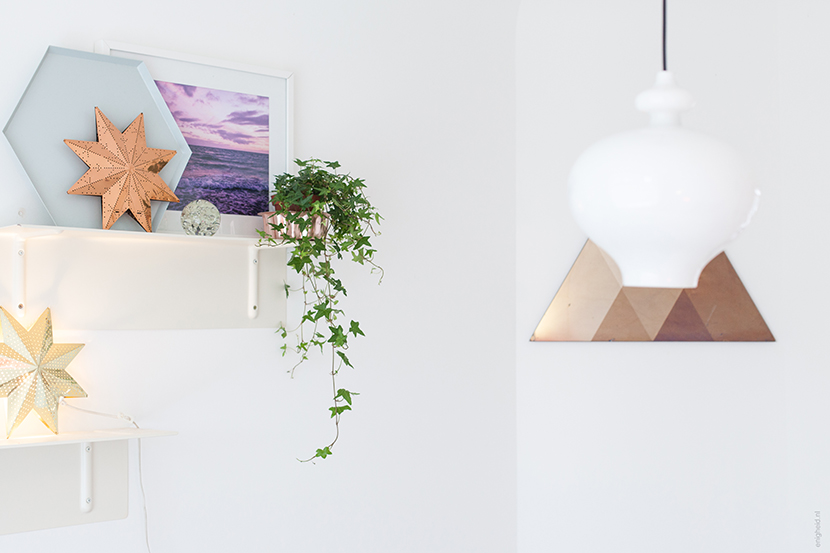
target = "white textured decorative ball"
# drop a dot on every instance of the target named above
(200, 217)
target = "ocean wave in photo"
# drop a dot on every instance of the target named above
(235, 182)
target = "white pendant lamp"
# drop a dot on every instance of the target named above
(662, 201)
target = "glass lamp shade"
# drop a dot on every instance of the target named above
(662, 201)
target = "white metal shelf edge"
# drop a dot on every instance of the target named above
(84, 437)
(34, 231)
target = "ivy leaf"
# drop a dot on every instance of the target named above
(323, 453)
(344, 358)
(354, 328)
(338, 337)
(296, 263)
(338, 285)
(346, 395)
(339, 409)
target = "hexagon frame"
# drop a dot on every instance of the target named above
(59, 103)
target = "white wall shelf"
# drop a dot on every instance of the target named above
(66, 479)
(123, 280)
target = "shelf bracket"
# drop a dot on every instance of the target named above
(253, 281)
(86, 477)
(18, 263)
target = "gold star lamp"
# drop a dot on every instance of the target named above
(123, 171)
(33, 371)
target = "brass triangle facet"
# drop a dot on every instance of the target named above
(652, 306)
(683, 323)
(725, 307)
(582, 301)
(621, 323)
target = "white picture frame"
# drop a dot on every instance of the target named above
(187, 69)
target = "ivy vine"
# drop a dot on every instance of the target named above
(326, 216)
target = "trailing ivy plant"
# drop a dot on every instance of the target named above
(319, 194)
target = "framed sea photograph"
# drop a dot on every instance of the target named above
(237, 120)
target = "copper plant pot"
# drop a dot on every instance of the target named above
(319, 226)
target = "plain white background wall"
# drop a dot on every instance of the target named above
(677, 447)
(418, 98)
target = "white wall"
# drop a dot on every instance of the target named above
(677, 447)
(417, 97)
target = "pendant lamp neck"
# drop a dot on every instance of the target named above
(665, 101)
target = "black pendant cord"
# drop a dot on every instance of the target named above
(664, 35)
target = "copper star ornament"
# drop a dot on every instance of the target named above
(122, 170)
(33, 371)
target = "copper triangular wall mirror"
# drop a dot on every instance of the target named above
(592, 305)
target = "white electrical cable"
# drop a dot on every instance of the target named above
(128, 419)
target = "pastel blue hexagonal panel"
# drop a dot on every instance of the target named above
(60, 103)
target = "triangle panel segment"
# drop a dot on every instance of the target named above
(725, 306)
(652, 306)
(582, 302)
(683, 323)
(622, 323)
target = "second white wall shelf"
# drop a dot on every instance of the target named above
(66, 479)
(120, 280)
